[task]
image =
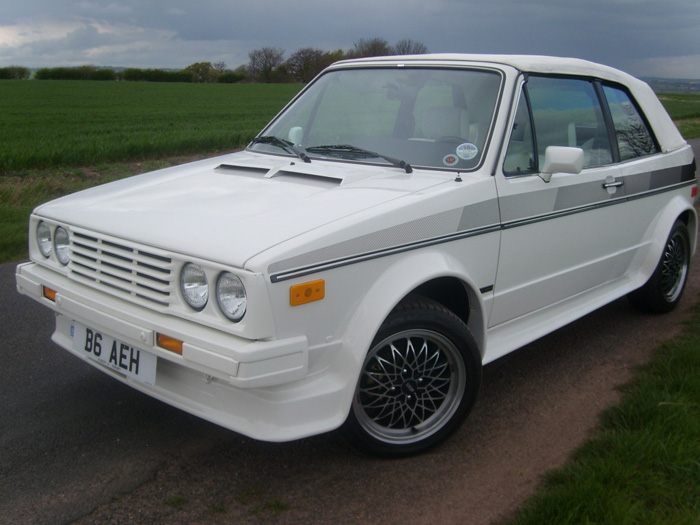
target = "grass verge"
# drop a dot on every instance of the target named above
(643, 463)
(684, 108)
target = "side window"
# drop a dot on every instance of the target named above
(633, 136)
(567, 112)
(520, 156)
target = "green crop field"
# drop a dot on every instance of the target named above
(45, 124)
(58, 137)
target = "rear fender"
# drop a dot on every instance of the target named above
(677, 208)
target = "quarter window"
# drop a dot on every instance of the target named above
(633, 136)
(520, 156)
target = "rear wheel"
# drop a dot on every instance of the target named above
(418, 382)
(663, 290)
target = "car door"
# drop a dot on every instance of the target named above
(567, 236)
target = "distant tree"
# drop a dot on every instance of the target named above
(203, 72)
(280, 75)
(75, 73)
(306, 63)
(334, 56)
(409, 47)
(230, 77)
(156, 75)
(370, 47)
(86, 72)
(132, 74)
(264, 62)
(220, 67)
(103, 74)
(14, 73)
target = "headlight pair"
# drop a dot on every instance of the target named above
(59, 242)
(230, 292)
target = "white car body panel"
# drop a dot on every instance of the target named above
(268, 206)
(526, 256)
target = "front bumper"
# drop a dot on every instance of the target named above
(258, 388)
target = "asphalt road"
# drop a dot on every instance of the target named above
(73, 440)
(70, 438)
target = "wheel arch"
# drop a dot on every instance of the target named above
(397, 282)
(690, 218)
(462, 299)
(442, 279)
(677, 209)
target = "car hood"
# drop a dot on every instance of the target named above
(231, 208)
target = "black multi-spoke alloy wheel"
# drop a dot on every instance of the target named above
(664, 288)
(418, 383)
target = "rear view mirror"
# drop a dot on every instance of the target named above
(296, 135)
(561, 159)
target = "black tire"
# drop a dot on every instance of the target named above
(662, 292)
(418, 383)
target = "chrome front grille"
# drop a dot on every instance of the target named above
(121, 268)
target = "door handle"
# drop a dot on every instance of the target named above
(613, 184)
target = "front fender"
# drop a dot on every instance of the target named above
(396, 282)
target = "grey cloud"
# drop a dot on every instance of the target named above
(79, 40)
(620, 33)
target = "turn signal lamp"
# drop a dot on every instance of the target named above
(307, 292)
(49, 293)
(169, 343)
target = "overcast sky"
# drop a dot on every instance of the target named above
(643, 37)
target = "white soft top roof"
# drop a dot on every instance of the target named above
(664, 128)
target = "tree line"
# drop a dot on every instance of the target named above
(15, 73)
(267, 64)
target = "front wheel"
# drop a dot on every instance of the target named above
(418, 382)
(663, 290)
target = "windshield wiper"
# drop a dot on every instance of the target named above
(353, 150)
(281, 143)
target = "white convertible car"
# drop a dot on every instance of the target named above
(401, 223)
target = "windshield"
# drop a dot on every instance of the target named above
(421, 117)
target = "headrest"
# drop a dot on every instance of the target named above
(440, 121)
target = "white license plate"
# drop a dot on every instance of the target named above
(127, 360)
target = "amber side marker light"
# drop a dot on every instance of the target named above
(169, 343)
(49, 293)
(307, 292)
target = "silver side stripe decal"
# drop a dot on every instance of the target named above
(479, 219)
(450, 225)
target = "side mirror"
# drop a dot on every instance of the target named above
(561, 159)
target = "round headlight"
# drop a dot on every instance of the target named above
(43, 238)
(230, 293)
(62, 244)
(194, 286)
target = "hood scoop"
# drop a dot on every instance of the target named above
(321, 174)
(305, 178)
(282, 174)
(246, 171)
